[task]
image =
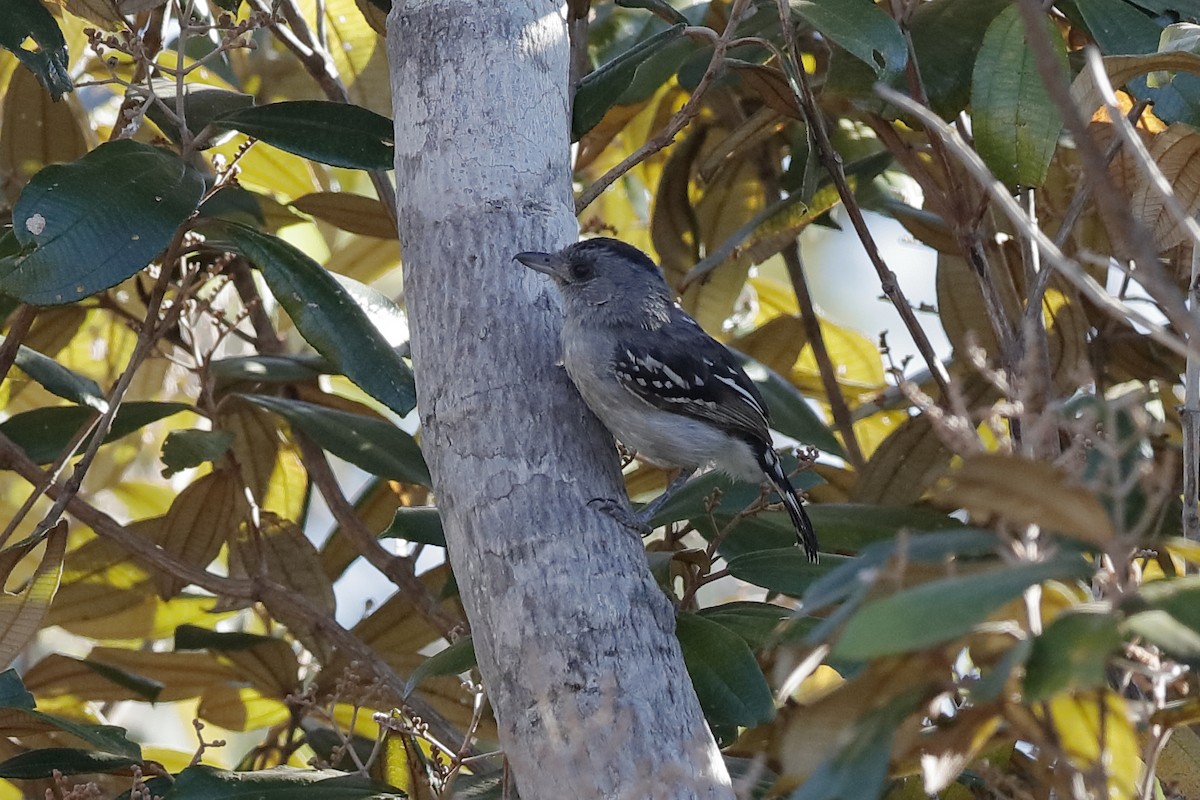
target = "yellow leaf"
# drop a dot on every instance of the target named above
(240, 709)
(775, 298)
(1096, 734)
(357, 50)
(855, 358)
(273, 171)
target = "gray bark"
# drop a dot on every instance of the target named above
(575, 641)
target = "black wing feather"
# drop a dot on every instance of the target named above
(685, 371)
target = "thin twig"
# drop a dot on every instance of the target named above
(398, 570)
(832, 161)
(679, 121)
(1068, 267)
(270, 594)
(318, 62)
(19, 324)
(1190, 416)
(842, 418)
(1109, 199)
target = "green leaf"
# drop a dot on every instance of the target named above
(1161, 629)
(45, 762)
(944, 609)
(946, 35)
(1167, 613)
(387, 317)
(96, 221)
(786, 570)
(270, 369)
(338, 134)
(1072, 653)
(728, 681)
(202, 105)
(938, 547)
(861, 28)
(191, 448)
(60, 381)
(417, 524)
(373, 445)
(108, 738)
(201, 782)
(193, 637)
(600, 90)
(688, 502)
(1015, 123)
(44, 433)
(148, 688)
(458, 657)
(1118, 27)
(13, 693)
(853, 526)
(325, 314)
(29, 19)
(755, 623)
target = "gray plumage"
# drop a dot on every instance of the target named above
(658, 382)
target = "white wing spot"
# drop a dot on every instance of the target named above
(734, 385)
(674, 376)
(35, 224)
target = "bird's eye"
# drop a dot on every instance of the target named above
(581, 270)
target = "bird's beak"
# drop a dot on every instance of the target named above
(551, 264)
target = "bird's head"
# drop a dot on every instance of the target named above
(603, 272)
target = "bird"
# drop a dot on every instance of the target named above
(661, 386)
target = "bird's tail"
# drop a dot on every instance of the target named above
(805, 535)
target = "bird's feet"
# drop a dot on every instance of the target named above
(638, 523)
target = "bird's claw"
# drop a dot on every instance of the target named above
(617, 510)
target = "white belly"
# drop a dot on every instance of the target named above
(660, 437)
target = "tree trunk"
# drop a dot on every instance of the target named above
(575, 641)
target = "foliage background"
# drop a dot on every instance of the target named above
(204, 375)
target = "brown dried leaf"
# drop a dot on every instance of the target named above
(205, 516)
(912, 458)
(1026, 492)
(753, 132)
(256, 442)
(1175, 152)
(593, 143)
(350, 212)
(376, 510)
(271, 667)
(286, 556)
(182, 675)
(21, 614)
(770, 84)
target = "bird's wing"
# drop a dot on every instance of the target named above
(685, 371)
